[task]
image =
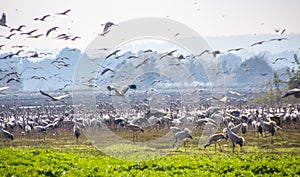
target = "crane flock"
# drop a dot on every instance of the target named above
(140, 117)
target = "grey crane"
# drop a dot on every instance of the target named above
(135, 129)
(6, 134)
(175, 130)
(155, 112)
(180, 136)
(244, 128)
(76, 130)
(57, 98)
(214, 139)
(27, 130)
(41, 129)
(270, 127)
(235, 139)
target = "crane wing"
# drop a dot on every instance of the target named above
(125, 88)
(3, 88)
(294, 91)
(43, 93)
(61, 97)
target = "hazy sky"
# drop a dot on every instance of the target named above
(208, 17)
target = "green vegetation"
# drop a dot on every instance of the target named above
(19, 162)
(61, 156)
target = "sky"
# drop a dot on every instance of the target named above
(207, 17)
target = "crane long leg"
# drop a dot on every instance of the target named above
(280, 135)
(174, 142)
(220, 146)
(133, 136)
(136, 137)
(215, 146)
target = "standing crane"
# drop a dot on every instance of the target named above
(6, 134)
(181, 136)
(76, 130)
(235, 139)
(214, 139)
(134, 129)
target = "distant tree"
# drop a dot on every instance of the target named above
(229, 62)
(254, 70)
(276, 81)
(294, 73)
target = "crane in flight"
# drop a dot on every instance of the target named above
(57, 98)
(123, 91)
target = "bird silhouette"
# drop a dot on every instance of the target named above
(132, 56)
(51, 29)
(278, 39)
(111, 54)
(11, 55)
(36, 36)
(41, 19)
(107, 26)
(38, 77)
(106, 70)
(277, 59)
(13, 79)
(203, 52)
(142, 63)
(263, 74)
(76, 37)
(149, 50)
(19, 46)
(9, 36)
(168, 54)
(29, 33)
(3, 20)
(258, 43)
(236, 49)
(216, 52)
(17, 29)
(276, 30)
(64, 13)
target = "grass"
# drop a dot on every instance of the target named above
(59, 155)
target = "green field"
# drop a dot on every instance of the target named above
(63, 157)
